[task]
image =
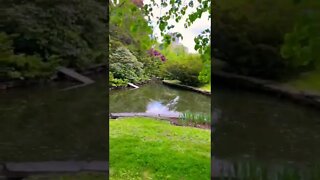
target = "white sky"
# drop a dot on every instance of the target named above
(188, 34)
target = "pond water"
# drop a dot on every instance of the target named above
(158, 98)
(265, 131)
(43, 123)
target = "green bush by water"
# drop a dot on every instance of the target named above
(182, 66)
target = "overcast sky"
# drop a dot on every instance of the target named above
(188, 34)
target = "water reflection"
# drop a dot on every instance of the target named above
(263, 129)
(61, 121)
(157, 98)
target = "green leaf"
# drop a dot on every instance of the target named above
(162, 25)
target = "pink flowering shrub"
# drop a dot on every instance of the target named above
(156, 53)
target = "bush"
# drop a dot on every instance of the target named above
(116, 82)
(72, 30)
(124, 65)
(249, 35)
(21, 66)
(152, 66)
(185, 70)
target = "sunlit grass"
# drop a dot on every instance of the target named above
(308, 81)
(145, 148)
(206, 87)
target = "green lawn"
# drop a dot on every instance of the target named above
(145, 148)
(308, 81)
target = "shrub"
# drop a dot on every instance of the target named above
(116, 82)
(21, 66)
(124, 65)
(185, 70)
(73, 30)
(249, 36)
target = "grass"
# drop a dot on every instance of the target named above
(206, 87)
(173, 81)
(146, 148)
(79, 176)
(308, 81)
(194, 118)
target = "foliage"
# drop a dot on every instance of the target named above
(21, 66)
(145, 148)
(301, 45)
(152, 66)
(176, 11)
(124, 65)
(130, 41)
(155, 53)
(205, 74)
(248, 36)
(127, 24)
(113, 82)
(186, 69)
(194, 118)
(73, 31)
(268, 39)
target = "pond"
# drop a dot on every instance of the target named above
(265, 131)
(155, 97)
(43, 123)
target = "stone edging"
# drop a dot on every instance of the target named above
(158, 116)
(25, 169)
(270, 87)
(187, 87)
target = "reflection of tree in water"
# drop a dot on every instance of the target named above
(55, 117)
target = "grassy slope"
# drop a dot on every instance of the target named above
(308, 81)
(143, 148)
